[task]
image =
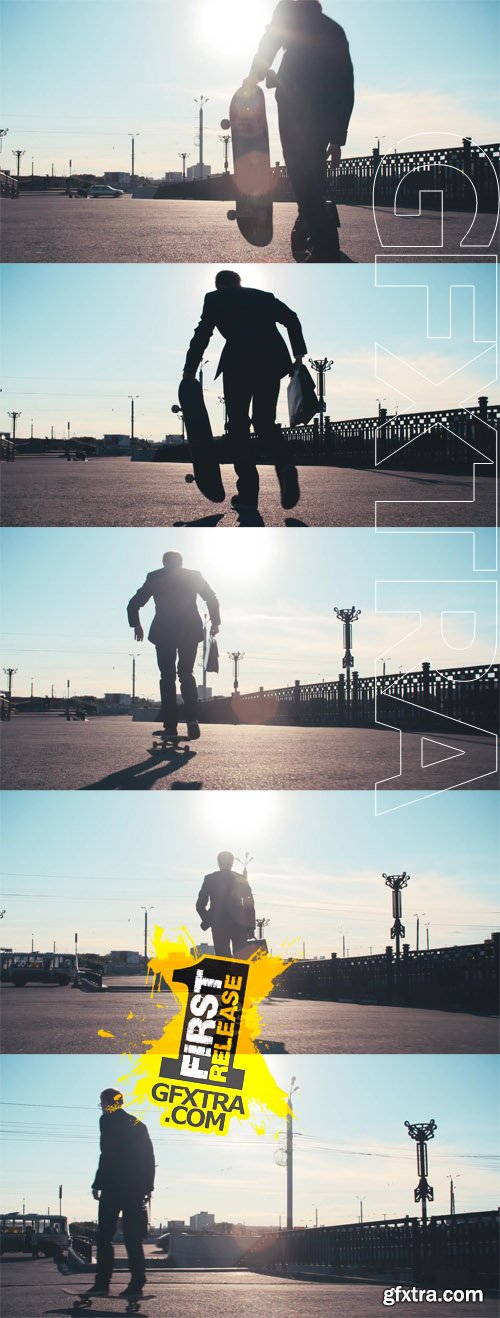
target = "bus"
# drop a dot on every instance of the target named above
(33, 1233)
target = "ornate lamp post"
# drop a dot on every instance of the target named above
(347, 617)
(397, 882)
(321, 365)
(421, 1132)
(236, 656)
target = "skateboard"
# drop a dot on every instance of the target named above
(206, 469)
(85, 1301)
(253, 179)
(163, 744)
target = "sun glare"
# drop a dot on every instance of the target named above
(240, 821)
(233, 27)
(247, 556)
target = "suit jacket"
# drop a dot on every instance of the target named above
(174, 594)
(247, 318)
(127, 1161)
(315, 82)
(214, 904)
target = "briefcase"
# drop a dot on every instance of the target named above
(303, 401)
(249, 948)
(212, 656)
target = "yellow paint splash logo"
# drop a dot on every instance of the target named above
(207, 1069)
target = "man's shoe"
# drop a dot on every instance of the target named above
(100, 1292)
(193, 731)
(131, 1292)
(289, 486)
(239, 503)
(169, 730)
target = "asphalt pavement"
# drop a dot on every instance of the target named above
(47, 1019)
(51, 227)
(46, 752)
(35, 1289)
(48, 491)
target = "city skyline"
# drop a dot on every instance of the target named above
(132, 325)
(316, 870)
(277, 596)
(412, 78)
(345, 1150)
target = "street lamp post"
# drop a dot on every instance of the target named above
(133, 657)
(321, 365)
(397, 882)
(132, 175)
(201, 101)
(133, 398)
(236, 656)
(225, 138)
(183, 155)
(347, 617)
(421, 1132)
(146, 909)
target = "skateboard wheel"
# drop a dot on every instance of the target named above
(189, 478)
(231, 215)
(225, 123)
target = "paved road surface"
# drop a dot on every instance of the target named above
(50, 227)
(44, 751)
(47, 491)
(47, 1019)
(35, 1290)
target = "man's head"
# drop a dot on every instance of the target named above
(227, 279)
(111, 1099)
(171, 560)
(225, 860)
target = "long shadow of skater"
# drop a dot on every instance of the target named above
(143, 776)
(294, 521)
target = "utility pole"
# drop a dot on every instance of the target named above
(14, 416)
(132, 425)
(421, 1132)
(60, 1200)
(261, 925)
(3, 133)
(225, 138)
(224, 410)
(397, 882)
(178, 410)
(133, 657)
(132, 175)
(418, 917)
(289, 1157)
(183, 155)
(321, 365)
(146, 909)
(236, 656)
(452, 1196)
(361, 1212)
(10, 674)
(201, 101)
(200, 372)
(347, 617)
(427, 939)
(18, 155)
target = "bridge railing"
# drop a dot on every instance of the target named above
(9, 185)
(448, 440)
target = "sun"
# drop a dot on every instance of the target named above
(233, 27)
(247, 555)
(240, 821)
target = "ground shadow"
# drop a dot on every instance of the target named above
(97, 1313)
(294, 521)
(270, 1046)
(414, 479)
(250, 517)
(142, 776)
(212, 520)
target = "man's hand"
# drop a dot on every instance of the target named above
(138, 632)
(214, 630)
(95, 1192)
(334, 154)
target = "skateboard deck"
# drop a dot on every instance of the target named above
(84, 1301)
(206, 469)
(163, 745)
(253, 177)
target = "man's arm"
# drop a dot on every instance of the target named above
(200, 340)
(285, 316)
(343, 89)
(137, 602)
(274, 38)
(211, 602)
(147, 1160)
(203, 901)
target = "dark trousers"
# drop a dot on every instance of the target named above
(305, 146)
(227, 939)
(111, 1203)
(246, 387)
(184, 651)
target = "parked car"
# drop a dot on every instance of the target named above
(104, 190)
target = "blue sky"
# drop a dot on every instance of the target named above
(65, 592)
(348, 1146)
(131, 325)
(93, 72)
(316, 870)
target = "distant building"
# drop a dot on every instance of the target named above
(198, 171)
(202, 1221)
(122, 699)
(126, 957)
(173, 176)
(116, 443)
(175, 1224)
(203, 949)
(117, 178)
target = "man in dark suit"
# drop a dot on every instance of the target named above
(176, 631)
(315, 97)
(225, 905)
(123, 1183)
(253, 362)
